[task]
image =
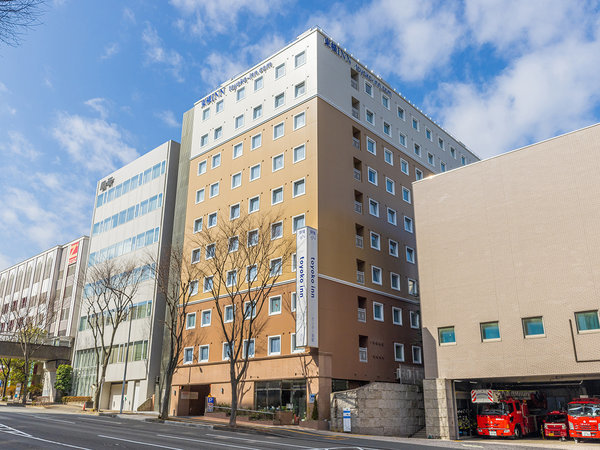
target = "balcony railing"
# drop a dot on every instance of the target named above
(357, 175)
(356, 113)
(362, 354)
(354, 83)
(356, 143)
(358, 207)
(360, 277)
(359, 241)
(362, 315)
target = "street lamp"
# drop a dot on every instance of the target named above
(126, 359)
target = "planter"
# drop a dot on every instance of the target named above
(322, 425)
(283, 418)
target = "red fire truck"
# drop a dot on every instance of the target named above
(506, 412)
(584, 418)
(555, 425)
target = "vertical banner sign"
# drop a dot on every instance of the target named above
(347, 420)
(307, 289)
(73, 252)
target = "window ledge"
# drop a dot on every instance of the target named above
(535, 336)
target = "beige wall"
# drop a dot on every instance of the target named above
(508, 238)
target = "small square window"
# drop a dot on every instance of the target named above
(208, 284)
(587, 321)
(193, 287)
(252, 238)
(393, 248)
(446, 335)
(441, 143)
(190, 321)
(299, 89)
(375, 241)
(299, 153)
(402, 139)
(417, 354)
(371, 146)
(415, 124)
(236, 180)
(370, 117)
(378, 311)
(442, 166)
(234, 244)
(276, 267)
(240, 94)
(413, 287)
(219, 106)
(278, 130)
(206, 317)
(279, 71)
(490, 331)
(204, 140)
(390, 186)
(415, 319)
(297, 223)
(406, 195)
(392, 216)
(216, 161)
(299, 120)
(398, 352)
(277, 162)
(417, 150)
(385, 101)
(463, 161)
(388, 156)
(218, 133)
(212, 220)
(430, 159)
(276, 230)
(231, 278)
(188, 355)
(228, 314)
(210, 251)
(254, 204)
(387, 128)
(400, 113)
(239, 121)
(373, 207)
(214, 189)
(206, 114)
(368, 89)
(248, 348)
(372, 176)
(257, 112)
(404, 167)
(275, 305)
(195, 255)
(234, 211)
(256, 141)
(376, 275)
(238, 150)
(227, 351)
(396, 316)
(255, 172)
(199, 195)
(251, 272)
(533, 326)
(428, 134)
(299, 188)
(293, 299)
(410, 255)
(418, 174)
(203, 353)
(453, 152)
(274, 345)
(258, 84)
(202, 167)
(294, 263)
(279, 100)
(300, 59)
(198, 225)
(277, 196)
(408, 224)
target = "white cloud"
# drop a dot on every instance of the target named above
(98, 145)
(128, 15)
(100, 105)
(110, 50)
(168, 118)
(3, 87)
(19, 145)
(156, 53)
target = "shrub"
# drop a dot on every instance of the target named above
(315, 411)
(76, 399)
(64, 379)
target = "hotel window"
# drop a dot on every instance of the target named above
(277, 162)
(533, 326)
(391, 216)
(275, 305)
(300, 59)
(195, 255)
(278, 130)
(396, 316)
(258, 84)
(404, 167)
(276, 230)
(415, 319)
(418, 150)
(418, 174)
(276, 196)
(298, 188)
(250, 307)
(446, 335)
(398, 352)
(239, 121)
(190, 321)
(385, 101)
(227, 351)
(417, 354)
(199, 195)
(299, 89)
(402, 139)
(415, 124)
(395, 281)
(378, 311)
(393, 247)
(406, 195)
(375, 241)
(368, 89)
(214, 189)
(251, 272)
(299, 153)
(294, 347)
(293, 298)
(279, 100)
(453, 152)
(241, 93)
(206, 114)
(370, 117)
(463, 160)
(248, 348)
(198, 225)
(257, 112)
(231, 278)
(408, 224)
(208, 284)
(274, 345)
(401, 113)
(194, 287)
(236, 180)
(228, 314)
(294, 267)
(219, 106)
(216, 161)
(413, 287)
(490, 331)
(203, 353)
(202, 167)
(441, 143)
(388, 156)
(430, 159)
(587, 321)
(234, 244)
(252, 238)
(297, 223)
(234, 211)
(276, 267)
(376, 275)
(410, 255)
(255, 172)
(188, 355)
(428, 134)
(256, 141)
(212, 220)
(373, 207)
(204, 140)
(218, 133)
(238, 150)
(390, 186)
(279, 71)
(371, 146)
(210, 251)
(254, 204)
(372, 176)
(442, 166)
(299, 120)
(387, 129)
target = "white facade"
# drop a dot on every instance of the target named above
(132, 222)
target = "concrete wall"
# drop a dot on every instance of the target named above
(390, 409)
(440, 411)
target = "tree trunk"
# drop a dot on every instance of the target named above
(164, 406)
(25, 382)
(234, 403)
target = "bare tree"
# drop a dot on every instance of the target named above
(175, 275)
(244, 260)
(111, 287)
(16, 16)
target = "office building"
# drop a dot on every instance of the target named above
(132, 224)
(509, 268)
(313, 134)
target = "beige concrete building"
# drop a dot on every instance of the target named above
(314, 135)
(509, 264)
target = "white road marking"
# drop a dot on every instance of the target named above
(99, 420)
(254, 440)
(206, 442)
(9, 430)
(138, 442)
(52, 420)
(472, 445)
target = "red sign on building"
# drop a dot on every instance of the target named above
(73, 252)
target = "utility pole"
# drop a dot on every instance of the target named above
(126, 359)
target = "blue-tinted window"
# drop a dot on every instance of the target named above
(587, 320)
(446, 335)
(490, 330)
(533, 326)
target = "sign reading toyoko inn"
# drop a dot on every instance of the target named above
(307, 289)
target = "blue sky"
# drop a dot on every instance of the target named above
(99, 83)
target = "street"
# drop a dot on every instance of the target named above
(37, 428)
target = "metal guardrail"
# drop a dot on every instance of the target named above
(54, 341)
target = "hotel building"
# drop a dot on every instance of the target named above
(132, 223)
(311, 133)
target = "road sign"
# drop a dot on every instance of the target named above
(347, 420)
(210, 404)
(312, 397)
